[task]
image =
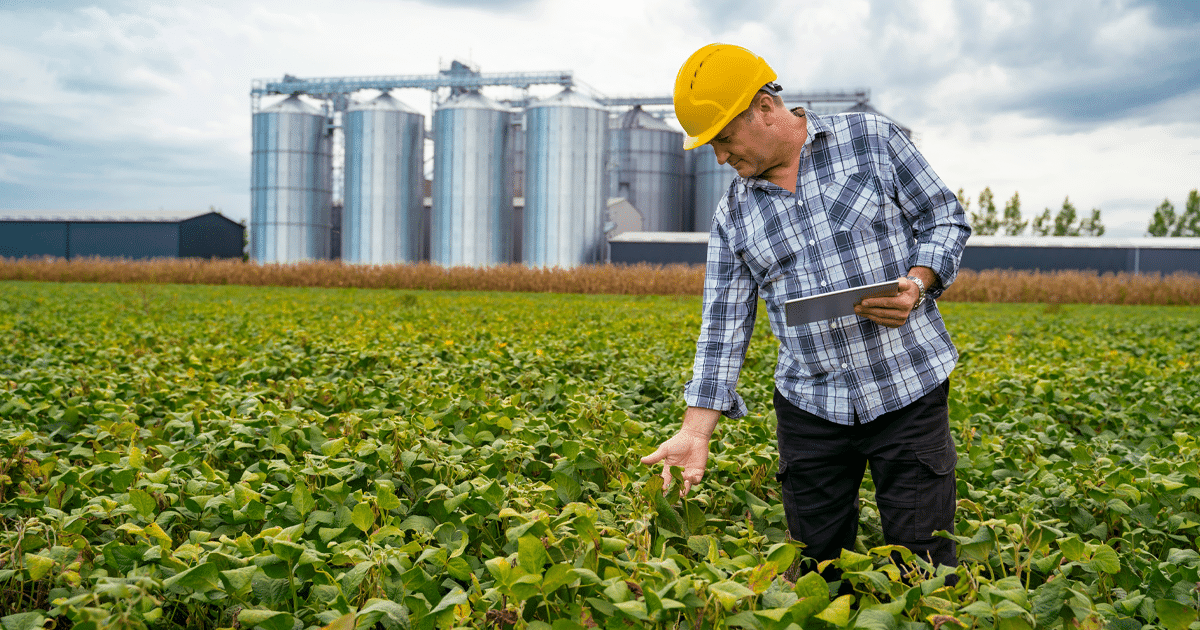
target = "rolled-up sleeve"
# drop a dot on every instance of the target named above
(730, 307)
(939, 223)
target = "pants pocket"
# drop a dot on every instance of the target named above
(923, 500)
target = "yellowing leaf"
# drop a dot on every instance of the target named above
(136, 459)
(154, 531)
(38, 566)
(838, 611)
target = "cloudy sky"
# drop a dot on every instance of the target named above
(144, 105)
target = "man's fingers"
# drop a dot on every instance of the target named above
(656, 456)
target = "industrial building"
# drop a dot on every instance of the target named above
(1035, 253)
(519, 179)
(134, 235)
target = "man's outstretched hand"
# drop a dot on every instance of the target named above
(687, 449)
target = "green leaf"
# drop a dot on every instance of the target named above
(1105, 560)
(145, 504)
(418, 524)
(567, 488)
(875, 619)
(270, 592)
(1174, 615)
(266, 619)
(1049, 598)
(745, 619)
(531, 554)
(811, 584)
(302, 498)
(385, 494)
(332, 448)
(704, 547)
(23, 621)
(1073, 548)
(728, 593)
(452, 599)
(634, 608)
(201, 578)
(556, 576)
(363, 516)
(493, 494)
(377, 609)
(781, 555)
(287, 550)
(235, 580)
(1014, 623)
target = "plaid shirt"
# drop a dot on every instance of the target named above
(867, 209)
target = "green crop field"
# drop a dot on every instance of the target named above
(238, 457)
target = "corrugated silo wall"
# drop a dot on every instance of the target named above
(566, 185)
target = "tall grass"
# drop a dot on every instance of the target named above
(971, 286)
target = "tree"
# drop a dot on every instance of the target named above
(1012, 223)
(1043, 224)
(963, 201)
(984, 222)
(1064, 221)
(1186, 223)
(1164, 220)
(1092, 226)
(1189, 221)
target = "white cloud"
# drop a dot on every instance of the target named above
(145, 104)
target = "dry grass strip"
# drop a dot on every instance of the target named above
(1058, 287)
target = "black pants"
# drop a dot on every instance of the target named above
(912, 461)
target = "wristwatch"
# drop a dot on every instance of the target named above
(921, 286)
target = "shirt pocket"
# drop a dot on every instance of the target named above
(852, 202)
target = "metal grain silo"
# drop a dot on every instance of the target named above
(648, 155)
(472, 185)
(290, 184)
(383, 218)
(566, 185)
(710, 182)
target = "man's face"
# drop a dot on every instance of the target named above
(741, 145)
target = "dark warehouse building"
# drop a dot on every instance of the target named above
(1033, 253)
(134, 235)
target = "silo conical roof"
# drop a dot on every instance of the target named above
(291, 105)
(383, 102)
(471, 100)
(637, 118)
(567, 98)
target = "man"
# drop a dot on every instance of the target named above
(823, 203)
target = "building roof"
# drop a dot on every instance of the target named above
(1102, 242)
(105, 216)
(1084, 242)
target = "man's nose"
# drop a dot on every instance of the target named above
(722, 156)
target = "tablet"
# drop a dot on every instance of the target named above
(835, 303)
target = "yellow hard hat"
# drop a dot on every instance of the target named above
(715, 84)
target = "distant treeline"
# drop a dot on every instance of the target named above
(987, 221)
